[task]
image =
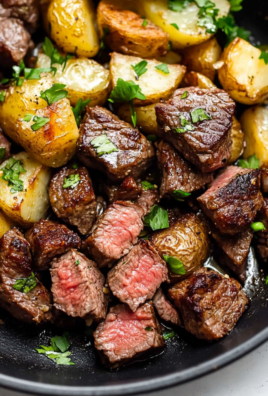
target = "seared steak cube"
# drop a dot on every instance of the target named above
(25, 10)
(197, 122)
(177, 173)
(234, 250)
(76, 204)
(49, 239)
(165, 309)
(126, 335)
(133, 152)
(77, 286)
(126, 191)
(138, 275)
(264, 180)
(114, 234)
(147, 199)
(209, 304)
(5, 146)
(29, 301)
(233, 199)
(262, 242)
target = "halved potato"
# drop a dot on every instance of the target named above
(243, 75)
(55, 143)
(30, 205)
(5, 223)
(254, 123)
(126, 32)
(154, 84)
(146, 118)
(189, 32)
(201, 58)
(84, 79)
(194, 79)
(237, 137)
(171, 58)
(72, 26)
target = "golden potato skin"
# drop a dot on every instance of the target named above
(55, 143)
(254, 122)
(154, 84)
(237, 137)
(187, 240)
(5, 223)
(200, 58)
(243, 75)
(73, 26)
(146, 118)
(126, 33)
(194, 79)
(171, 58)
(30, 205)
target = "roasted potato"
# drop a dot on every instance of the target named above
(254, 123)
(189, 33)
(5, 223)
(201, 58)
(237, 137)
(53, 144)
(187, 240)
(72, 26)
(194, 79)
(84, 79)
(126, 33)
(30, 205)
(171, 58)
(154, 84)
(146, 118)
(242, 74)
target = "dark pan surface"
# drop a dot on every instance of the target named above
(184, 358)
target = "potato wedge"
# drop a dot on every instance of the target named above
(171, 58)
(189, 32)
(254, 123)
(72, 26)
(243, 75)
(126, 33)
(201, 58)
(194, 79)
(237, 137)
(5, 223)
(84, 79)
(154, 84)
(30, 205)
(146, 118)
(53, 144)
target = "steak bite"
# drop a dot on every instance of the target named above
(198, 125)
(126, 191)
(132, 154)
(209, 304)
(233, 199)
(49, 239)
(25, 10)
(15, 263)
(234, 250)
(76, 204)
(138, 275)
(177, 173)
(147, 199)
(125, 335)
(5, 146)
(165, 309)
(262, 241)
(114, 234)
(77, 286)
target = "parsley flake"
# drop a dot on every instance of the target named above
(184, 95)
(35, 74)
(2, 152)
(148, 328)
(252, 163)
(168, 334)
(180, 195)
(58, 351)
(163, 68)
(175, 265)
(178, 5)
(72, 181)
(39, 122)
(54, 94)
(140, 68)
(103, 145)
(16, 73)
(54, 54)
(175, 26)
(258, 226)
(2, 96)
(264, 56)
(199, 115)
(266, 280)
(11, 174)
(77, 262)
(186, 126)
(157, 219)
(147, 185)
(144, 23)
(235, 5)
(24, 285)
(79, 109)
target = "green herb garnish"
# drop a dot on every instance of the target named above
(58, 351)
(180, 195)
(178, 5)
(39, 122)
(258, 226)
(16, 73)
(163, 68)
(140, 68)
(175, 265)
(264, 56)
(34, 74)
(24, 285)
(148, 328)
(2, 152)
(103, 145)
(157, 219)
(77, 262)
(266, 280)
(11, 173)
(168, 334)
(147, 185)
(184, 95)
(2, 96)
(79, 109)
(144, 23)
(235, 5)
(54, 54)
(186, 126)
(252, 163)
(175, 26)
(54, 94)
(72, 181)
(199, 115)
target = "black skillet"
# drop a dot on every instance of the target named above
(185, 358)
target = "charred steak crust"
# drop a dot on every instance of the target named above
(262, 241)
(138, 275)
(114, 234)
(49, 239)
(208, 146)
(177, 173)
(126, 191)
(147, 199)
(77, 286)
(233, 199)
(135, 153)
(25, 10)
(165, 309)
(210, 304)
(15, 263)
(4, 143)
(125, 335)
(76, 206)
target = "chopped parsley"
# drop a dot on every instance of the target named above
(184, 95)
(266, 280)
(235, 5)
(228, 26)
(54, 94)
(175, 26)
(178, 5)
(148, 328)
(39, 122)
(103, 145)
(168, 334)
(180, 195)
(34, 74)
(79, 109)
(24, 285)
(72, 181)
(199, 115)
(2, 96)
(157, 219)
(252, 163)
(2, 152)
(207, 15)
(264, 56)
(11, 174)
(258, 226)
(163, 68)
(58, 351)
(147, 185)
(54, 54)
(16, 73)
(77, 262)
(140, 68)
(144, 23)
(186, 126)
(175, 265)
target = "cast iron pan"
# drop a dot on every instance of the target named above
(184, 358)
